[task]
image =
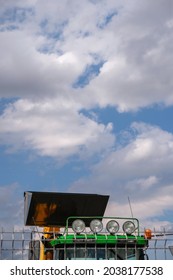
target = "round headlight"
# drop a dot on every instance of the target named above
(78, 226)
(112, 226)
(96, 225)
(129, 227)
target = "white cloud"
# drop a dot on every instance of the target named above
(136, 49)
(135, 45)
(141, 170)
(152, 206)
(144, 184)
(42, 57)
(26, 72)
(53, 129)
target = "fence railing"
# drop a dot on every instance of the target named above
(16, 244)
(161, 248)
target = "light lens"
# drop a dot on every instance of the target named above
(78, 226)
(112, 226)
(128, 227)
(96, 225)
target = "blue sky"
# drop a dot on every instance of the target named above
(86, 104)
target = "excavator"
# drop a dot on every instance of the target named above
(74, 227)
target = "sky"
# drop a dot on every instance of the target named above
(86, 104)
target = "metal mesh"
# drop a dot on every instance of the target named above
(14, 244)
(88, 252)
(21, 244)
(161, 248)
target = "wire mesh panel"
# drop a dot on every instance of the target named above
(24, 244)
(160, 248)
(14, 244)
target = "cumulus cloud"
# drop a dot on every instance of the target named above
(53, 129)
(141, 170)
(138, 69)
(46, 49)
(59, 41)
(25, 72)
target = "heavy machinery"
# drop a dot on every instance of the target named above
(69, 226)
(74, 228)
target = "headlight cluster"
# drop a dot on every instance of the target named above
(96, 226)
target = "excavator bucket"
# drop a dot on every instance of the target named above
(52, 209)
